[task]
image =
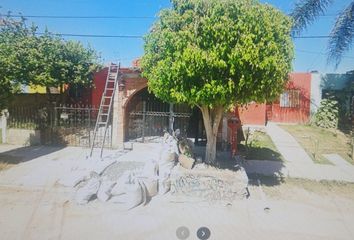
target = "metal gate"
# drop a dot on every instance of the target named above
(149, 117)
(73, 125)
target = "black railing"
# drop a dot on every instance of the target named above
(28, 117)
(59, 125)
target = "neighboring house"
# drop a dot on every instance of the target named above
(338, 86)
(39, 89)
(293, 105)
(301, 99)
(74, 94)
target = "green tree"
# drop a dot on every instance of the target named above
(47, 60)
(214, 54)
(9, 32)
(341, 37)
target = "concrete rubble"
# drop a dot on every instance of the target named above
(208, 184)
(131, 184)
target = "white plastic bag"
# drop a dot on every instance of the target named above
(167, 156)
(104, 192)
(164, 185)
(150, 169)
(131, 197)
(150, 185)
(119, 187)
(86, 192)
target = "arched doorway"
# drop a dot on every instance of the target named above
(147, 117)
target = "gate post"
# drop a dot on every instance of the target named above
(53, 122)
(3, 116)
(117, 137)
(89, 126)
(144, 119)
(55, 116)
(170, 119)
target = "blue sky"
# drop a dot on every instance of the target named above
(309, 54)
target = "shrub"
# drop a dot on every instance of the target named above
(327, 114)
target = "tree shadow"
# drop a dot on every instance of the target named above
(25, 154)
(270, 173)
(269, 181)
(260, 153)
(345, 128)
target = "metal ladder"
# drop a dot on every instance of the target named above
(105, 109)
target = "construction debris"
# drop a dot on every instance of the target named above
(132, 184)
(104, 192)
(185, 161)
(206, 183)
(185, 147)
(88, 189)
(151, 185)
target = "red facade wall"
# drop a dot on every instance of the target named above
(259, 114)
(99, 81)
(133, 83)
(132, 80)
(253, 114)
(301, 114)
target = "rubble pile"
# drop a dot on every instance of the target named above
(128, 183)
(131, 184)
(207, 183)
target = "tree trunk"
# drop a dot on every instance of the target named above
(211, 118)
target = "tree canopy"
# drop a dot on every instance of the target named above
(43, 60)
(215, 54)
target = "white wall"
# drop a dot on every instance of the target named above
(316, 92)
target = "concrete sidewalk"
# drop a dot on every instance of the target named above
(43, 166)
(298, 164)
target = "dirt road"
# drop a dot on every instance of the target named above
(297, 210)
(50, 214)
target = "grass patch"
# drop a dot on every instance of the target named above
(317, 141)
(7, 161)
(4, 166)
(260, 147)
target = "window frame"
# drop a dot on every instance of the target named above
(290, 98)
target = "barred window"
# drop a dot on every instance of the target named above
(290, 99)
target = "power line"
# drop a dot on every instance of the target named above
(92, 35)
(312, 36)
(104, 17)
(316, 58)
(319, 53)
(140, 36)
(80, 17)
(121, 17)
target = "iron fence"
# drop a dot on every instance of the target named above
(28, 117)
(71, 125)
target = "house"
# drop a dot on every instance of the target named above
(139, 114)
(337, 86)
(301, 99)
